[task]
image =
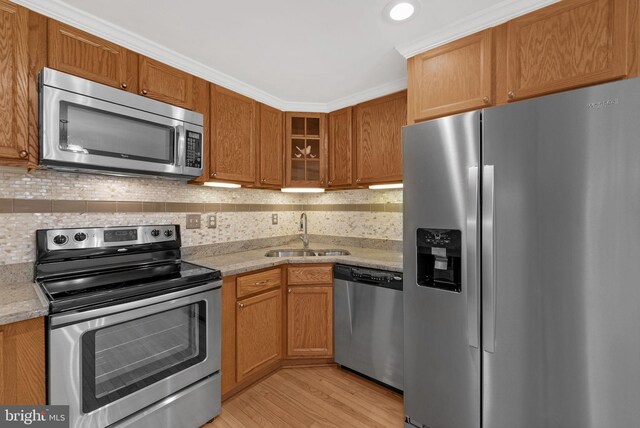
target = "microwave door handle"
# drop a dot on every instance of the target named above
(179, 146)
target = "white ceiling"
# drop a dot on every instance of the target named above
(294, 54)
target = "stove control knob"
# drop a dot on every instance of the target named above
(155, 233)
(168, 233)
(60, 239)
(79, 237)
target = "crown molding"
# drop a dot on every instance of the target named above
(487, 18)
(77, 18)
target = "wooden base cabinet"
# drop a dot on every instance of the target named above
(22, 363)
(259, 333)
(310, 321)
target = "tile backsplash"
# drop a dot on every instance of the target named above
(28, 202)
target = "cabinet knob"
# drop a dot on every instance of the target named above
(264, 180)
(215, 174)
(486, 100)
(241, 305)
(358, 180)
(289, 290)
(23, 154)
(511, 95)
(330, 182)
(124, 85)
(144, 92)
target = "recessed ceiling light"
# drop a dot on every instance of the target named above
(401, 11)
(302, 190)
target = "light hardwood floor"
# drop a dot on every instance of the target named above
(312, 397)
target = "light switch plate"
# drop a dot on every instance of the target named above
(274, 218)
(193, 221)
(212, 221)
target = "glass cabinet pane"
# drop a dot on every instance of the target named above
(297, 125)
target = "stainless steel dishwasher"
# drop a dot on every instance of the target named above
(368, 332)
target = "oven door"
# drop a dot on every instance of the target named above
(118, 360)
(82, 132)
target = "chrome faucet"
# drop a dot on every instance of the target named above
(303, 228)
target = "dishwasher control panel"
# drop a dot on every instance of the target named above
(369, 276)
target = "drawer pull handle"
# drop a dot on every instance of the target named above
(266, 281)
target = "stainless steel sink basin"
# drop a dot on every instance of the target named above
(306, 253)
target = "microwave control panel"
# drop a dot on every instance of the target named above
(194, 150)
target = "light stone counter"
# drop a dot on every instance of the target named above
(21, 301)
(246, 261)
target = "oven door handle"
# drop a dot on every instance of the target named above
(58, 321)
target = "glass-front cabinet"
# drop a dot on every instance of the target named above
(306, 150)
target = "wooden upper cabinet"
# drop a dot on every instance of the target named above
(566, 45)
(305, 150)
(259, 333)
(164, 83)
(310, 321)
(341, 148)
(84, 55)
(452, 78)
(271, 147)
(379, 139)
(14, 92)
(233, 136)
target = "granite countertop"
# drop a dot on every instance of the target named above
(21, 301)
(246, 261)
(24, 300)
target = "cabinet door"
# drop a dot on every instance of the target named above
(22, 363)
(84, 55)
(164, 83)
(452, 78)
(566, 45)
(379, 139)
(310, 321)
(341, 148)
(259, 333)
(14, 94)
(233, 136)
(305, 150)
(271, 147)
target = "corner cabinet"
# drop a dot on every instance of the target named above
(310, 311)
(234, 136)
(452, 78)
(305, 150)
(22, 362)
(378, 144)
(341, 148)
(271, 148)
(566, 45)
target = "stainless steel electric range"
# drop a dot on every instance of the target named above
(133, 332)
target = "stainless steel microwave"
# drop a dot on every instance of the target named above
(90, 127)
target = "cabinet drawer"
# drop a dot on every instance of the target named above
(302, 275)
(257, 282)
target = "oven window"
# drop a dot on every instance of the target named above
(98, 132)
(121, 359)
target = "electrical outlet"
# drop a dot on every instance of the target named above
(213, 221)
(274, 218)
(193, 221)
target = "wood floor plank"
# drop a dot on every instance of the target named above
(312, 397)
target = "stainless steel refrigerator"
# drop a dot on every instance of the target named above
(522, 264)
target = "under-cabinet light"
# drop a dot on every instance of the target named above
(386, 186)
(221, 184)
(302, 190)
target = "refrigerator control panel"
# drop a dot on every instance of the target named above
(439, 253)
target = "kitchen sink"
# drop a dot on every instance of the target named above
(306, 253)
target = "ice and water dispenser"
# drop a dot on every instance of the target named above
(439, 259)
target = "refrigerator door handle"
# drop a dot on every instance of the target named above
(472, 259)
(488, 259)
